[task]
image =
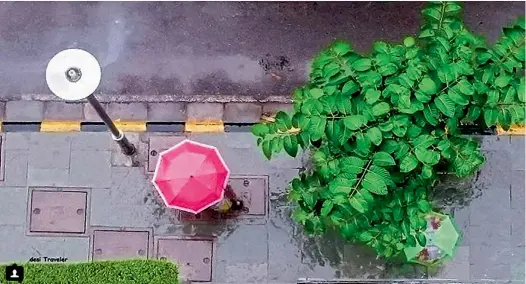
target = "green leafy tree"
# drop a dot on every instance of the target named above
(379, 127)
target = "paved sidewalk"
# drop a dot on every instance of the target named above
(75, 196)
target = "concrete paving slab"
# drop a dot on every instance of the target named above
(360, 263)
(63, 111)
(108, 211)
(518, 228)
(127, 111)
(90, 169)
(91, 115)
(272, 108)
(279, 181)
(49, 150)
(490, 245)
(193, 255)
(204, 111)
(2, 110)
(16, 168)
(47, 177)
(284, 255)
(24, 111)
(253, 190)
(497, 170)
(17, 141)
(123, 244)
(234, 247)
(483, 210)
(494, 272)
(129, 186)
(455, 269)
(158, 144)
(518, 144)
(518, 190)
(90, 141)
(242, 112)
(166, 112)
(14, 205)
(15, 246)
(246, 273)
(462, 220)
(58, 212)
(493, 143)
(518, 264)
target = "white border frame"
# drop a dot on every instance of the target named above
(175, 147)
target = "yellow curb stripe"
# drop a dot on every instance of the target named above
(204, 126)
(131, 126)
(59, 126)
(515, 130)
(1, 126)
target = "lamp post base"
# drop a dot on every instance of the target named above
(127, 148)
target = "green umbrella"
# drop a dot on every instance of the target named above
(446, 236)
(443, 240)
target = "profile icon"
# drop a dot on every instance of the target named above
(14, 273)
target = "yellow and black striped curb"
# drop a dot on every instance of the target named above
(191, 126)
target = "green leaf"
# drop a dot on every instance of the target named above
(354, 122)
(341, 48)
(411, 241)
(267, 151)
(350, 88)
(445, 105)
(383, 159)
(408, 163)
(326, 208)
(473, 113)
(381, 47)
(458, 98)
(375, 135)
(361, 65)
(380, 109)
(427, 172)
(372, 96)
(431, 114)
(427, 33)
(365, 237)
(493, 98)
(388, 69)
(490, 116)
(373, 184)
(502, 81)
(260, 130)
(465, 87)
(290, 143)
(428, 86)
(452, 7)
(409, 41)
(432, 13)
(356, 205)
(352, 165)
(428, 157)
(283, 121)
(421, 238)
(316, 93)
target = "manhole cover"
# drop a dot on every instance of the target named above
(58, 211)
(120, 244)
(194, 256)
(159, 144)
(253, 190)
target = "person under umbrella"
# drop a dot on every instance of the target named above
(229, 204)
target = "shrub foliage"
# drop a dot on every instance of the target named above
(108, 272)
(379, 127)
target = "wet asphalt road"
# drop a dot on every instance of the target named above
(203, 48)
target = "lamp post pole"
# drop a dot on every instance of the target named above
(118, 136)
(73, 75)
